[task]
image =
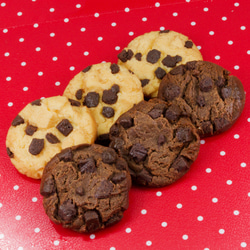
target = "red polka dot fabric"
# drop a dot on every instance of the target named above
(45, 43)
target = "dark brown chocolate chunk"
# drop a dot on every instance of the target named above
(124, 56)
(171, 92)
(114, 68)
(173, 113)
(155, 113)
(153, 56)
(66, 155)
(180, 164)
(171, 61)
(91, 99)
(206, 84)
(138, 152)
(52, 138)
(36, 146)
(48, 187)
(220, 82)
(92, 221)
(78, 94)
(179, 70)
(108, 112)
(164, 31)
(220, 123)
(138, 56)
(200, 101)
(226, 92)
(104, 190)
(126, 121)
(191, 65)
(114, 130)
(67, 211)
(80, 190)
(87, 69)
(87, 165)
(30, 130)
(65, 127)
(36, 103)
(118, 177)
(161, 140)
(121, 164)
(207, 128)
(189, 44)
(9, 153)
(115, 88)
(144, 82)
(109, 156)
(160, 73)
(184, 134)
(110, 96)
(17, 121)
(74, 103)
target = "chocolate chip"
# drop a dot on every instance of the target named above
(144, 176)
(126, 121)
(9, 153)
(30, 130)
(180, 164)
(161, 140)
(67, 211)
(138, 56)
(86, 69)
(66, 155)
(191, 65)
(65, 127)
(200, 101)
(207, 128)
(226, 92)
(110, 96)
(80, 190)
(36, 103)
(78, 94)
(115, 88)
(153, 56)
(160, 73)
(171, 92)
(189, 44)
(121, 164)
(52, 138)
(48, 186)
(164, 31)
(118, 177)
(171, 61)
(36, 146)
(124, 56)
(220, 82)
(155, 113)
(179, 70)
(87, 165)
(17, 121)
(92, 221)
(114, 68)
(184, 134)
(91, 99)
(108, 112)
(138, 152)
(74, 103)
(104, 190)
(173, 113)
(144, 82)
(220, 123)
(109, 156)
(206, 84)
(114, 130)
(117, 143)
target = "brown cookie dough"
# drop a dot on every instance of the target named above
(213, 98)
(85, 188)
(157, 140)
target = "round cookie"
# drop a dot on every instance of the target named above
(151, 55)
(108, 90)
(86, 188)
(45, 127)
(157, 140)
(212, 97)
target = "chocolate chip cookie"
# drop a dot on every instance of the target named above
(108, 90)
(43, 128)
(213, 98)
(152, 55)
(157, 140)
(86, 188)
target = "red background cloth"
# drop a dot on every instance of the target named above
(43, 44)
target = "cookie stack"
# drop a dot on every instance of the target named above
(140, 119)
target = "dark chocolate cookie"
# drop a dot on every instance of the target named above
(213, 98)
(157, 140)
(86, 188)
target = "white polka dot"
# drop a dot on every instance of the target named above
(159, 193)
(149, 243)
(144, 19)
(214, 200)
(16, 187)
(202, 141)
(34, 199)
(66, 20)
(194, 188)
(71, 68)
(248, 52)
(224, 18)
(199, 47)
(243, 244)
(96, 15)
(20, 248)
(51, 9)
(37, 230)
(3, 4)
(179, 205)
(236, 67)
(143, 211)
(21, 40)
(188, 1)
(217, 57)
(113, 24)
(54, 58)
(211, 33)
(69, 43)
(206, 248)
(83, 29)
(221, 231)
(229, 182)
(56, 242)
(230, 42)
(5, 30)
(248, 119)
(19, 13)
(222, 153)
(243, 27)
(236, 136)
(162, 28)
(131, 33)
(52, 34)
(185, 237)
(10, 104)
(236, 212)
(38, 48)
(248, 194)
(8, 78)
(128, 230)
(92, 236)
(117, 48)
(18, 217)
(200, 218)
(243, 164)
(193, 23)
(1, 205)
(35, 25)
(126, 9)
(100, 38)
(78, 6)
(175, 14)
(236, 4)
(23, 63)
(157, 4)
(6, 54)
(25, 88)
(164, 224)
(205, 9)
(112, 248)
(86, 53)
(57, 83)
(40, 73)
(1, 236)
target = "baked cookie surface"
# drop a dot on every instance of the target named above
(151, 55)
(157, 140)
(108, 90)
(43, 128)
(85, 188)
(213, 98)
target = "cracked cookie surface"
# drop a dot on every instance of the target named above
(213, 98)
(157, 140)
(86, 188)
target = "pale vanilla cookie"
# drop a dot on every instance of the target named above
(152, 55)
(45, 127)
(108, 90)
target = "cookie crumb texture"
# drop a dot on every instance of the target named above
(213, 98)
(86, 188)
(45, 127)
(157, 140)
(152, 55)
(108, 90)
